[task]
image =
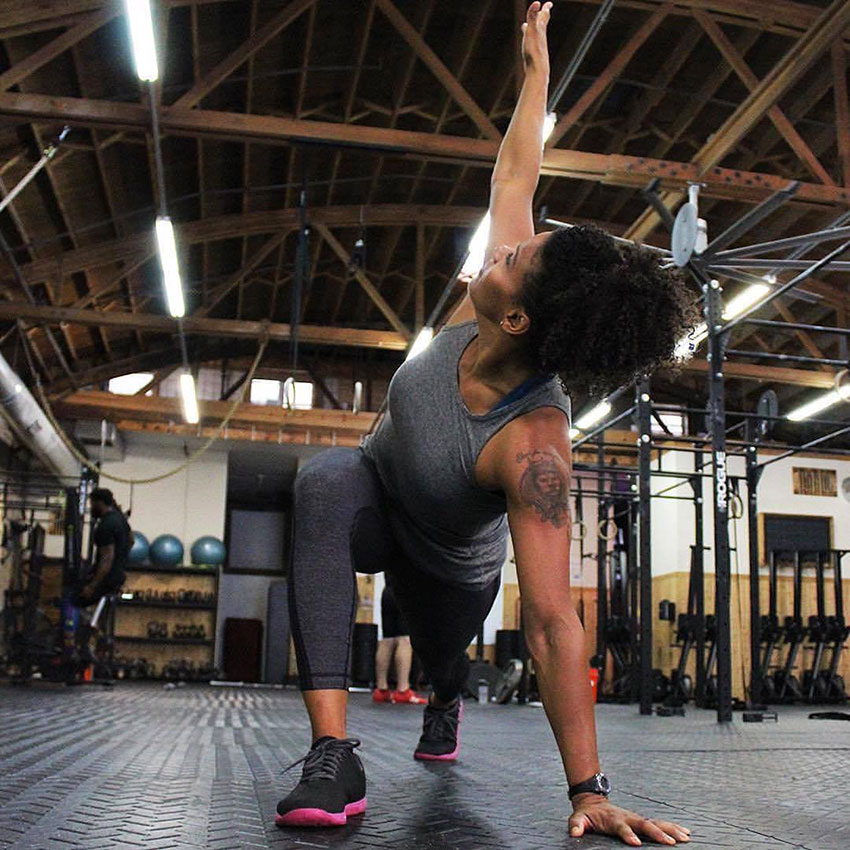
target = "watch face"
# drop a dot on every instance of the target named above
(604, 783)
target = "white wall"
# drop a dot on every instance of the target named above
(673, 521)
(188, 505)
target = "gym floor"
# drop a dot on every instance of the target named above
(143, 767)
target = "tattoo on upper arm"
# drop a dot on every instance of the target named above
(544, 486)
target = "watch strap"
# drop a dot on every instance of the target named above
(597, 784)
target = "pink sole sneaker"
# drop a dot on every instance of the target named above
(319, 817)
(452, 756)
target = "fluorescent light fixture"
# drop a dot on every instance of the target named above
(422, 341)
(190, 400)
(574, 432)
(170, 267)
(686, 347)
(822, 402)
(477, 246)
(549, 123)
(141, 36)
(594, 415)
(746, 299)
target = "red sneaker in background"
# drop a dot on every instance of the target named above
(379, 695)
(408, 696)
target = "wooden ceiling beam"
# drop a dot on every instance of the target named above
(96, 404)
(615, 67)
(834, 19)
(842, 108)
(38, 59)
(134, 248)
(202, 326)
(766, 374)
(439, 70)
(581, 165)
(224, 289)
(242, 53)
(751, 81)
(24, 16)
(390, 314)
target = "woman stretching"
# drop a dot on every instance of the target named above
(476, 439)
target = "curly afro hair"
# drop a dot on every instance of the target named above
(601, 314)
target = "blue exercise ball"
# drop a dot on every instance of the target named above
(166, 551)
(208, 551)
(141, 547)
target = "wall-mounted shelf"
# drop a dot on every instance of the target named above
(182, 606)
(166, 641)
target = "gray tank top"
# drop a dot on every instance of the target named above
(425, 451)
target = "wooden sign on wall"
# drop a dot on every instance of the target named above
(809, 481)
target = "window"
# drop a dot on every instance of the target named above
(675, 423)
(303, 393)
(264, 391)
(296, 395)
(130, 384)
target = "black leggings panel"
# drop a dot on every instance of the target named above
(340, 529)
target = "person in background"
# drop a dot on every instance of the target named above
(113, 539)
(395, 644)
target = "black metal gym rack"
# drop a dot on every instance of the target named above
(711, 435)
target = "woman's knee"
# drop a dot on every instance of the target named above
(325, 470)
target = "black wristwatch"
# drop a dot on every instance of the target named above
(597, 784)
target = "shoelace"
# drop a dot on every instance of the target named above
(440, 724)
(322, 762)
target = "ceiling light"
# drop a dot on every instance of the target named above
(477, 248)
(816, 405)
(170, 267)
(574, 432)
(422, 341)
(549, 123)
(141, 36)
(686, 347)
(594, 415)
(822, 402)
(190, 400)
(746, 299)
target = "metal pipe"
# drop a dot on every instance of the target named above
(753, 476)
(745, 415)
(786, 287)
(811, 239)
(722, 563)
(798, 326)
(578, 56)
(32, 425)
(786, 358)
(643, 404)
(811, 444)
(775, 265)
(602, 428)
(665, 252)
(750, 219)
(48, 154)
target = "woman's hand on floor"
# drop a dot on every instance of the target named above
(593, 813)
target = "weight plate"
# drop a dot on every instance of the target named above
(685, 233)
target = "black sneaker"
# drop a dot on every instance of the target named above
(332, 786)
(440, 739)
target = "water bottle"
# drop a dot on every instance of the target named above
(483, 692)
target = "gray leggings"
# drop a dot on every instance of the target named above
(341, 528)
